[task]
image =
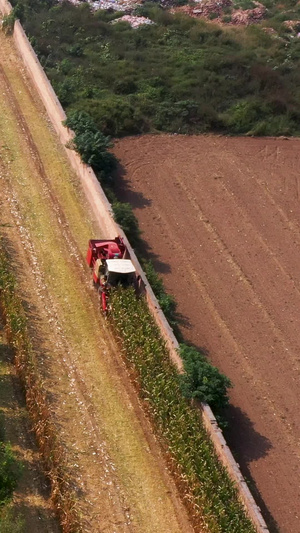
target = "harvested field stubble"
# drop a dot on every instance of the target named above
(46, 434)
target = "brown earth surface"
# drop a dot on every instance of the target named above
(221, 220)
(116, 464)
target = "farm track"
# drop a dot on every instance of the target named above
(221, 216)
(116, 464)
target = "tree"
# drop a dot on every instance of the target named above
(9, 472)
(126, 218)
(202, 380)
(91, 144)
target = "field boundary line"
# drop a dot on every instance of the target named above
(103, 214)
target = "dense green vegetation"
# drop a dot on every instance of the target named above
(176, 421)
(202, 380)
(177, 75)
(9, 472)
(167, 302)
(92, 145)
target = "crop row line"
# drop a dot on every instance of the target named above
(51, 450)
(206, 483)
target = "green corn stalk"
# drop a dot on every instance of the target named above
(209, 487)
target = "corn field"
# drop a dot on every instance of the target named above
(204, 480)
(53, 455)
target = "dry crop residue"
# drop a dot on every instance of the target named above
(221, 216)
(31, 501)
(116, 464)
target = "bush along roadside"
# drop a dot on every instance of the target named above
(203, 381)
(10, 472)
(54, 458)
(207, 485)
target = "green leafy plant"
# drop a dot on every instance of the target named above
(125, 217)
(205, 480)
(91, 144)
(8, 23)
(166, 301)
(202, 380)
(10, 471)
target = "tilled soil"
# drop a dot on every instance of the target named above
(117, 467)
(221, 220)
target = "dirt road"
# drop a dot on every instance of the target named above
(222, 218)
(118, 469)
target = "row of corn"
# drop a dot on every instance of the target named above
(211, 494)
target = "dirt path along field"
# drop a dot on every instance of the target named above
(222, 218)
(116, 464)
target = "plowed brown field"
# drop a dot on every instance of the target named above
(221, 217)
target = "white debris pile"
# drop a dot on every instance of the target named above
(135, 22)
(116, 5)
(292, 25)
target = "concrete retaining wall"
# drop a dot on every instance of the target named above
(102, 212)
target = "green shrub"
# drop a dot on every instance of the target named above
(80, 122)
(203, 380)
(244, 4)
(115, 114)
(93, 148)
(8, 23)
(281, 125)
(9, 472)
(226, 19)
(166, 301)
(91, 144)
(243, 116)
(125, 217)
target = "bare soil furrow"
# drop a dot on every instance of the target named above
(221, 216)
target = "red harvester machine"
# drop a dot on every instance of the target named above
(111, 266)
